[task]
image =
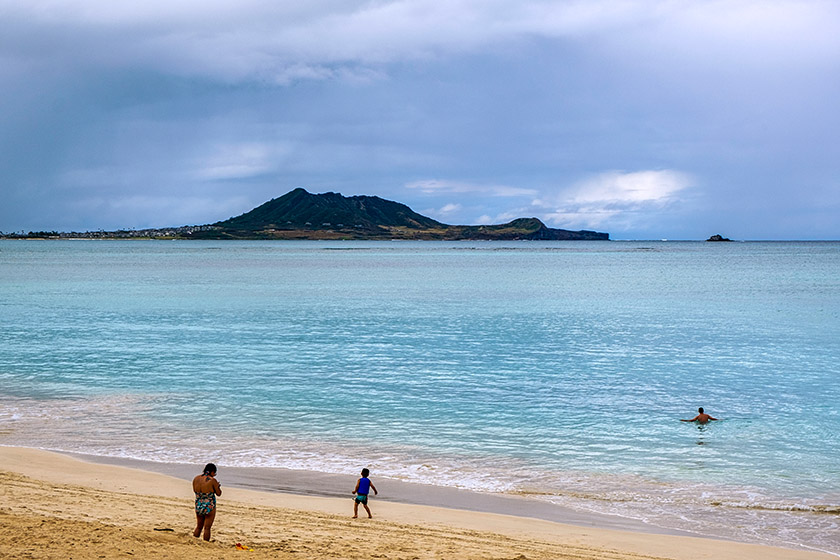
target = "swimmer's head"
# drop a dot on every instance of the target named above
(700, 410)
(210, 468)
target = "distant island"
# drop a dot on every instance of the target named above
(300, 214)
(716, 238)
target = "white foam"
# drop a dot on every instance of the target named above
(124, 431)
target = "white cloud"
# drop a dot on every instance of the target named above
(444, 212)
(434, 186)
(449, 208)
(640, 187)
(613, 197)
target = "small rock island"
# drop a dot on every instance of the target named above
(718, 237)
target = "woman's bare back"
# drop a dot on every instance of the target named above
(206, 484)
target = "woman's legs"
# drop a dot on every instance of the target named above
(208, 522)
(204, 522)
(199, 524)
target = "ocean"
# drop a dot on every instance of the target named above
(555, 371)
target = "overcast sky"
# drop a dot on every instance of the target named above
(645, 119)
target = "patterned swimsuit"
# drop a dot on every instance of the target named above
(205, 502)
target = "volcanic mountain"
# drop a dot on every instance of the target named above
(303, 215)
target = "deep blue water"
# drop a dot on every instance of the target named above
(557, 370)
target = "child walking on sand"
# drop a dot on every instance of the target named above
(363, 488)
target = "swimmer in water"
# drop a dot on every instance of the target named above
(701, 418)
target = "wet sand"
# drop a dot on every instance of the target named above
(57, 506)
(339, 486)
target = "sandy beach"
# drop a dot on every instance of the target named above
(55, 506)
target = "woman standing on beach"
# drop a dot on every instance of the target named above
(206, 488)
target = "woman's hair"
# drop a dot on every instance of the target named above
(210, 468)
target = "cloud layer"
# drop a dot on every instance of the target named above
(474, 110)
(284, 41)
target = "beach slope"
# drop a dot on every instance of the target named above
(54, 506)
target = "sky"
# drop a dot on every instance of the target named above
(645, 119)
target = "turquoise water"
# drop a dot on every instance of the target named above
(555, 370)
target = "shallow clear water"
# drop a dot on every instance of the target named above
(555, 370)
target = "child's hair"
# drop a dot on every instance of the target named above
(365, 472)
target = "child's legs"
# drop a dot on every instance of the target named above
(367, 509)
(355, 508)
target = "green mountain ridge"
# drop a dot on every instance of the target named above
(302, 215)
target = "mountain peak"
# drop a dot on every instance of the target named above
(300, 209)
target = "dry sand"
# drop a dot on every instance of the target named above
(54, 506)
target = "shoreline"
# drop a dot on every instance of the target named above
(337, 486)
(246, 514)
